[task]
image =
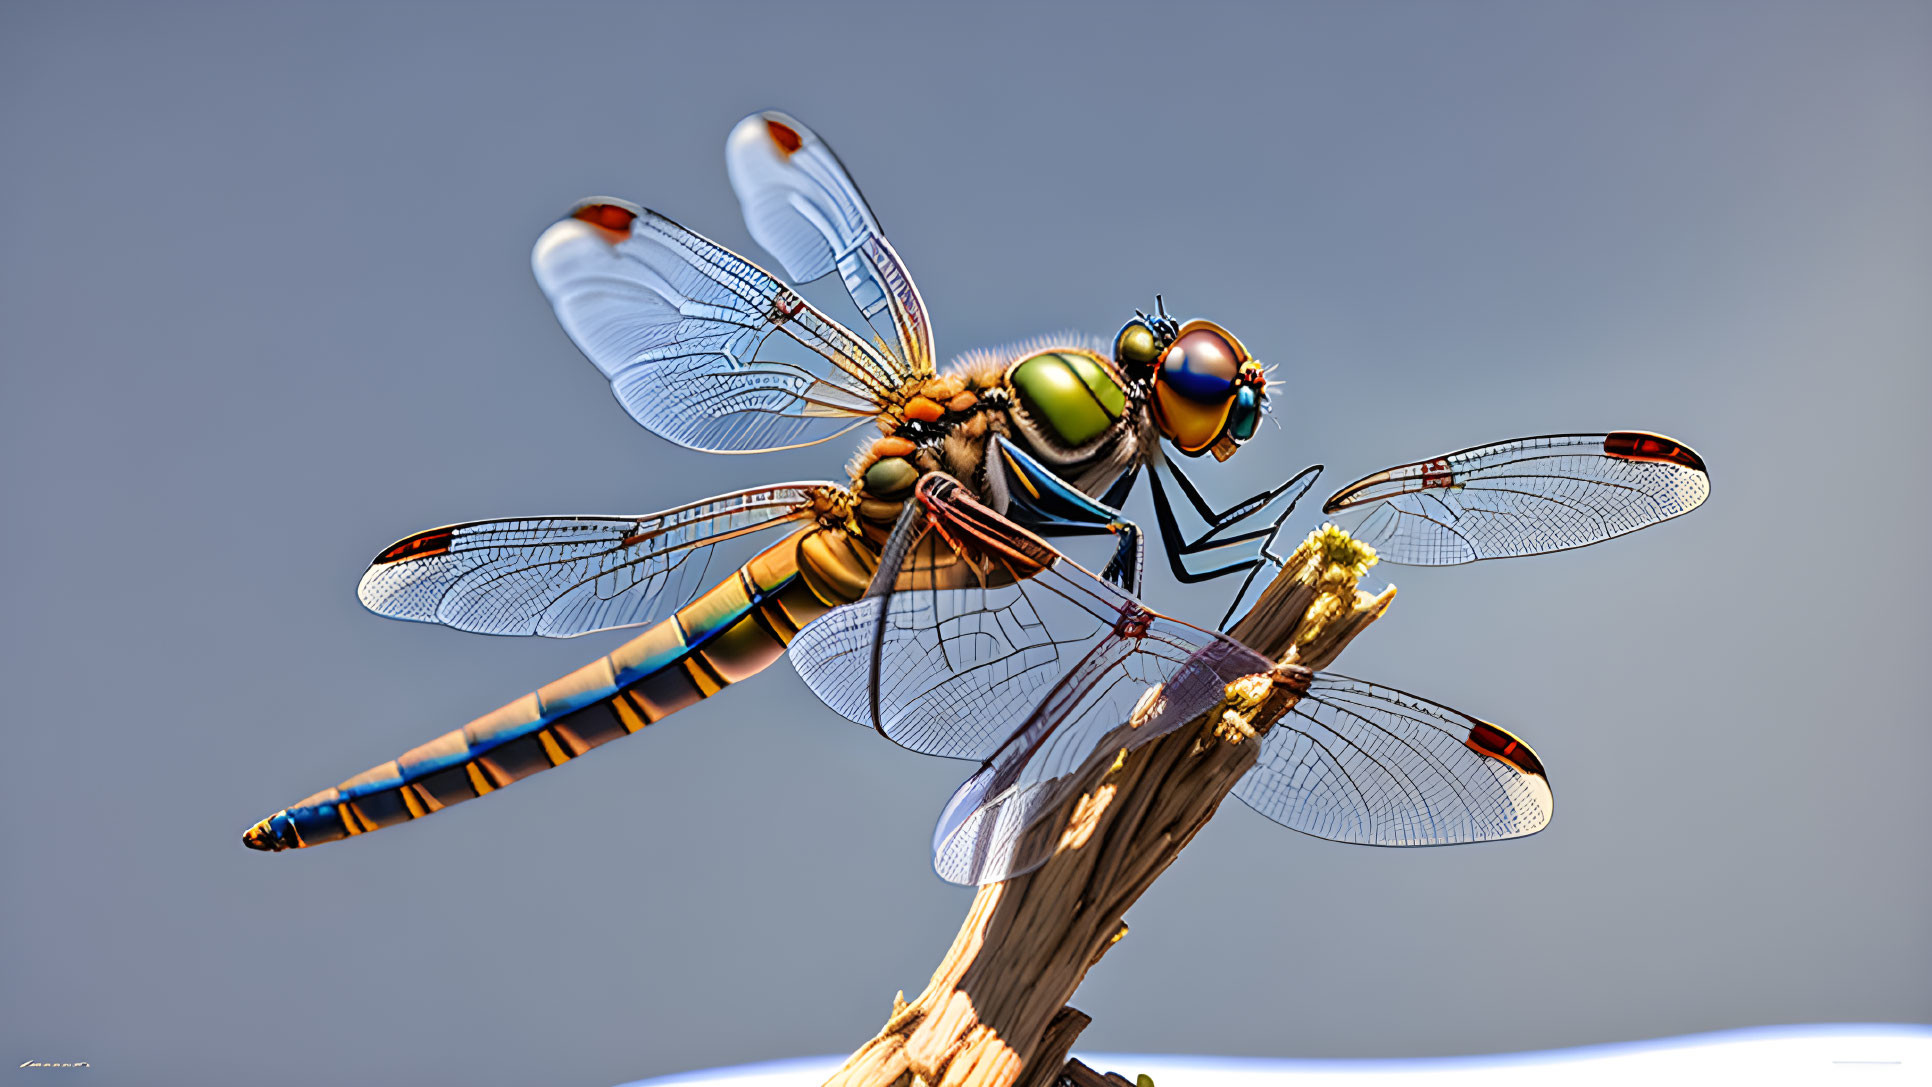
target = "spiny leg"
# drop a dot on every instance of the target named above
(1040, 500)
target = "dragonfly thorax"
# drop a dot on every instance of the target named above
(1072, 397)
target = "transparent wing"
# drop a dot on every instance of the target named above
(1356, 762)
(1524, 497)
(1031, 670)
(803, 208)
(678, 324)
(565, 576)
(961, 668)
(1126, 692)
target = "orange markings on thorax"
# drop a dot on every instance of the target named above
(924, 409)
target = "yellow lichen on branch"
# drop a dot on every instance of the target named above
(1336, 562)
(994, 1013)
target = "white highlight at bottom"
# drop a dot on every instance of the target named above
(1819, 1053)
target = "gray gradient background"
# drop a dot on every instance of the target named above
(266, 307)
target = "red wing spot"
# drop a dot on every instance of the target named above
(1639, 445)
(613, 220)
(783, 309)
(1436, 473)
(1486, 739)
(785, 136)
(420, 546)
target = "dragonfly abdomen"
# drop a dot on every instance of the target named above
(733, 631)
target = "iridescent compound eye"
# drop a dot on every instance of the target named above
(1137, 349)
(1201, 365)
(1246, 413)
(1195, 386)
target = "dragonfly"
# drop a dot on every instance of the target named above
(1086, 667)
(710, 351)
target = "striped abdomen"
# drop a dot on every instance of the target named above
(733, 631)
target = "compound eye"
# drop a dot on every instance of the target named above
(1201, 366)
(1245, 414)
(1137, 349)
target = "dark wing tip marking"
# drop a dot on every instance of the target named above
(785, 136)
(1492, 742)
(1643, 445)
(422, 545)
(613, 219)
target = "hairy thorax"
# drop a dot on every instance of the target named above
(1059, 400)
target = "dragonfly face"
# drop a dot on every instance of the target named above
(1207, 392)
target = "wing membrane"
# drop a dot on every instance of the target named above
(961, 667)
(1126, 692)
(1044, 643)
(1524, 497)
(677, 322)
(564, 576)
(800, 204)
(1356, 762)
(958, 666)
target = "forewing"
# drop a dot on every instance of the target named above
(803, 208)
(1524, 497)
(1356, 762)
(565, 576)
(678, 324)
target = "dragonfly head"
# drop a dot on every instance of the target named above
(1207, 392)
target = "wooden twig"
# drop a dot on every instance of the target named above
(995, 1013)
(1065, 1026)
(1077, 1074)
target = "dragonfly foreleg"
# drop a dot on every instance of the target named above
(1212, 542)
(1036, 498)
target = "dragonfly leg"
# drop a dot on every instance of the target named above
(1262, 557)
(1211, 542)
(1037, 499)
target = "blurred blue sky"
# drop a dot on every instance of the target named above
(265, 306)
